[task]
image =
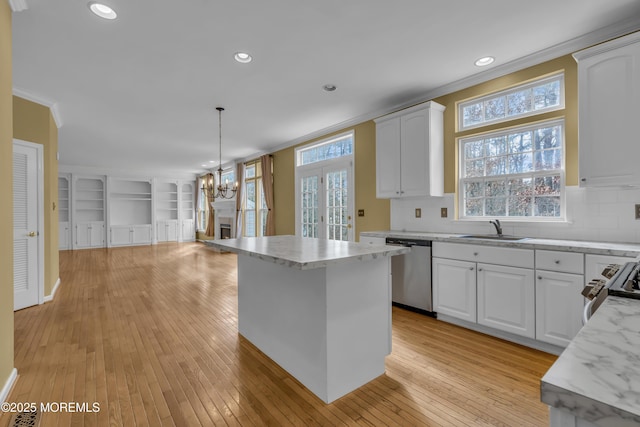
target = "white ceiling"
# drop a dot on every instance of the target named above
(139, 93)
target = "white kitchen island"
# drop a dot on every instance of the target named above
(321, 309)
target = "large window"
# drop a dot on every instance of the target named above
(542, 95)
(203, 208)
(514, 173)
(333, 148)
(255, 206)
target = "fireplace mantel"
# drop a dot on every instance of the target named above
(225, 209)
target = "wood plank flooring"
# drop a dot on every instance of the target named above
(150, 334)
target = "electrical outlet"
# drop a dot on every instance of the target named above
(443, 212)
(637, 211)
(360, 212)
(418, 213)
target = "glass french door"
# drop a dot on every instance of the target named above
(325, 200)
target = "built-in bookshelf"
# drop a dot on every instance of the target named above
(64, 215)
(167, 200)
(89, 199)
(129, 202)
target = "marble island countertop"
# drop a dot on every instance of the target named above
(597, 377)
(305, 253)
(595, 248)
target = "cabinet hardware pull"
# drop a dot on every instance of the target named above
(557, 261)
(471, 268)
(475, 254)
(479, 269)
(539, 277)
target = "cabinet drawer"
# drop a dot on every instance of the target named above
(513, 257)
(565, 262)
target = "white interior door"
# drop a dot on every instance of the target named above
(27, 272)
(325, 202)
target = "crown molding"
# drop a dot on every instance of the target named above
(53, 105)
(603, 34)
(18, 5)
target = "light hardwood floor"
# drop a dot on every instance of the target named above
(150, 333)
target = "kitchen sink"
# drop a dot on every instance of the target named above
(503, 237)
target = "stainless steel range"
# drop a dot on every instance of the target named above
(623, 281)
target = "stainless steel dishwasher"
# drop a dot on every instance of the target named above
(411, 275)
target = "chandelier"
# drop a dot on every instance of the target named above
(220, 191)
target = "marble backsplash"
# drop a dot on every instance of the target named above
(600, 214)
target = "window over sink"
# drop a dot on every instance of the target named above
(513, 172)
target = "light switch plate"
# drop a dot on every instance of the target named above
(443, 212)
(418, 213)
(637, 211)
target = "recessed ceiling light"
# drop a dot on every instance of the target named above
(329, 88)
(486, 60)
(102, 10)
(242, 57)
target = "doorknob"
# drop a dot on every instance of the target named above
(348, 225)
(32, 234)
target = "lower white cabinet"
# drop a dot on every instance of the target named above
(89, 234)
(124, 235)
(559, 305)
(188, 230)
(167, 230)
(373, 240)
(64, 236)
(506, 299)
(454, 288)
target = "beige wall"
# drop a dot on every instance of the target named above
(377, 212)
(570, 114)
(33, 122)
(6, 207)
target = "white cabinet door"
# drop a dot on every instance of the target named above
(373, 240)
(559, 306)
(388, 158)
(608, 94)
(506, 299)
(97, 234)
(188, 230)
(454, 288)
(161, 231)
(120, 235)
(172, 231)
(141, 234)
(409, 152)
(64, 241)
(414, 154)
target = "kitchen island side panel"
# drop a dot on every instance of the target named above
(282, 311)
(328, 327)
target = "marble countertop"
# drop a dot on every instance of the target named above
(594, 248)
(597, 377)
(305, 253)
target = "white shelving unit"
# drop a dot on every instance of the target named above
(88, 212)
(187, 212)
(64, 212)
(130, 212)
(166, 203)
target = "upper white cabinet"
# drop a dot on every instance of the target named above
(609, 106)
(410, 152)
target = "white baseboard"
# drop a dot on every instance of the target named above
(48, 298)
(4, 393)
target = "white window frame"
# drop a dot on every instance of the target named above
(346, 161)
(561, 171)
(326, 141)
(481, 99)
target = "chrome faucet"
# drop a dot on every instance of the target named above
(498, 227)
